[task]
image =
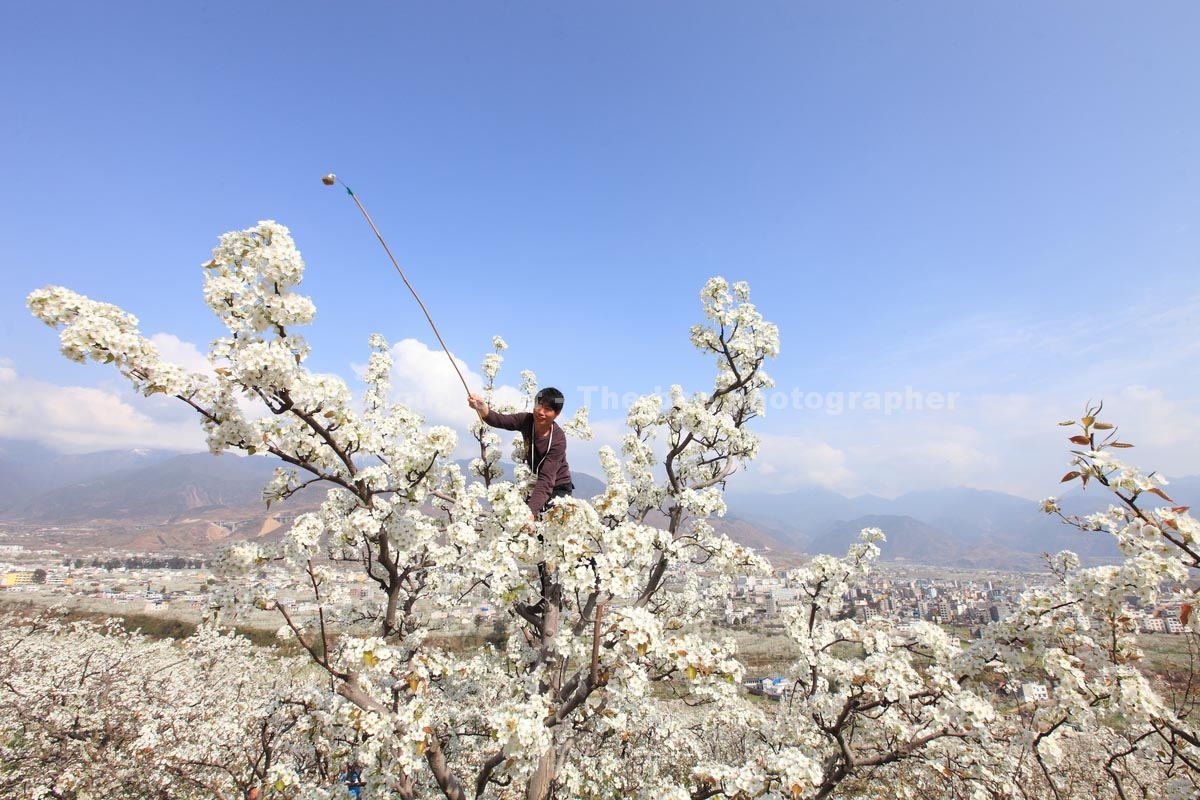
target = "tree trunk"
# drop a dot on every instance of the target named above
(543, 777)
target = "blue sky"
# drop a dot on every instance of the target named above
(994, 200)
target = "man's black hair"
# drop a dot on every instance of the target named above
(551, 397)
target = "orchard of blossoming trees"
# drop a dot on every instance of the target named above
(605, 686)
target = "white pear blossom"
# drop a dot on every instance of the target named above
(604, 679)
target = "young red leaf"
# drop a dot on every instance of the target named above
(1161, 494)
(1070, 476)
(1080, 439)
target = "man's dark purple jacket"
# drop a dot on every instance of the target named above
(551, 466)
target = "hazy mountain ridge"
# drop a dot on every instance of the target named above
(959, 526)
(180, 485)
(158, 500)
(28, 470)
(143, 500)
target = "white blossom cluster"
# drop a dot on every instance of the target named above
(602, 682)
(859, 693)
(94, 711)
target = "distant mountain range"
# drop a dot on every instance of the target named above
(158, 500)
(961, 526)
(136, 500)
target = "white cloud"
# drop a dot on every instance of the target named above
(584, 456)
(1148, 418)
(174, 350)
(424, 380)
(872, 451)
(1165, 431)
(1001, 441)
(84, 419)
(79, 419)
(1018, 375)
(786, 463)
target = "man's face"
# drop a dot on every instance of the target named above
(543, 412)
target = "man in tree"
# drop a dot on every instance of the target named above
(545, 444)
(546, 455)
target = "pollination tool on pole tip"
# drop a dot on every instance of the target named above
(330, 180)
